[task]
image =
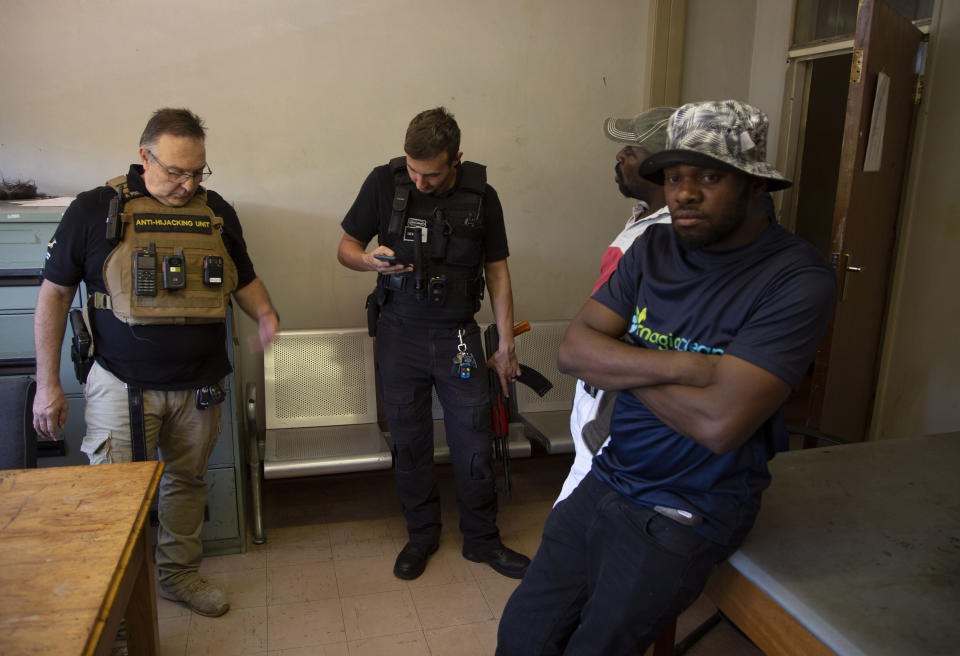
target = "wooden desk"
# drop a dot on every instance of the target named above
(75, 557)
(856, 552)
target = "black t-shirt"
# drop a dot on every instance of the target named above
(165, 357)
(370, 213)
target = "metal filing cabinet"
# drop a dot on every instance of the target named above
(225, 530)
(24, 233)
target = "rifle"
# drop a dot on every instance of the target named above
(499, 415)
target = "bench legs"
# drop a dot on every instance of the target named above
(256, 447)
(257, 498)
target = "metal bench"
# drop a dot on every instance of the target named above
(320, 410)
(546, 419)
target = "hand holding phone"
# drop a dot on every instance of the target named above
(383, 257)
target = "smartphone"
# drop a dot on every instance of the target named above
(392, 259)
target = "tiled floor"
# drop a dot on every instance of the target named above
(323, 583)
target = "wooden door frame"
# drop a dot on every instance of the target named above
(793, 113)
(664, 67)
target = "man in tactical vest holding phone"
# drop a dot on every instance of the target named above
(440, 233)
(160, 256)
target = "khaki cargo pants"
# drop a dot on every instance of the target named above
(185, 438)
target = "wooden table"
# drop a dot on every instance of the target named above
(856, 552)
(75, 557)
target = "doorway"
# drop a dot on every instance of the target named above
(820, 160)
(863, 185)
(817, 168)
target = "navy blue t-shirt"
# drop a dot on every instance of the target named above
(768, 303)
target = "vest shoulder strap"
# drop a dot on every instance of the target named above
(399, 167)
(401, 197)
(473, 177)
(119, 184)
(124, 193)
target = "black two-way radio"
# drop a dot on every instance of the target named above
(145, 271)
(113, 219)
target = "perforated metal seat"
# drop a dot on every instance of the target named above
(547, 418)
(321, 404)
(320, 409)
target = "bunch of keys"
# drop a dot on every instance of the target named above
(463, 362)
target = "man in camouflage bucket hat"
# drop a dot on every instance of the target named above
(728, 135)
(721, 312)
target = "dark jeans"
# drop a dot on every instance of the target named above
(410, 361)
(608, 577)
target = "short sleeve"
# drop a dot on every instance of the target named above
(233, 238)
(67, 249)
(362, 221)
(786, 326)
(495, 234)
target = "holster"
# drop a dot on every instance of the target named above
(81, 346)
(374, 302)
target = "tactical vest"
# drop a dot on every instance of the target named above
(190, 237)
(443, 239)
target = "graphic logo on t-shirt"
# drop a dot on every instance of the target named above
(661, 341)
(50, 245)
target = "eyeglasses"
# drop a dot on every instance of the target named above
(176, 175)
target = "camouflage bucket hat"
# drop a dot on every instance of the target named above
(727, 134)
(648, 129)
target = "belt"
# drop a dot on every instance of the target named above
(684, 517)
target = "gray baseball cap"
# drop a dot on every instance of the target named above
(726, 134)
(648, 129)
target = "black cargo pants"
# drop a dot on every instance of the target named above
(410, 361)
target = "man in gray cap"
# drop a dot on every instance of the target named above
(722, 312)
(643, 135)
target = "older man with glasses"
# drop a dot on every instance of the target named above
(161, 257)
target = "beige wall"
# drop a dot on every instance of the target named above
(771, 42)
(302, 99)
(738, 49)
(718, 47)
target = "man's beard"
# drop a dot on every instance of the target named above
(694, 242)
(715, 230)
(622, 186)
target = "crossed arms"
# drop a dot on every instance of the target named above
(718, 401)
